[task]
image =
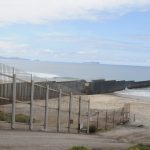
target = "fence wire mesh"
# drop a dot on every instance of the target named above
(36, 104)
(107, 119)
(28, 104)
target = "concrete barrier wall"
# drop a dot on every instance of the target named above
(97, 86)
(76, 87)
(102, 86)
(141, 84)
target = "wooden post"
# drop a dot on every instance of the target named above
(97, 119)
(46, 109)
(106, 119)
(114, 118)
(70, 110)
(79, 115)
(58, 116)
(14, 103)
(88, 119)
(31, 105)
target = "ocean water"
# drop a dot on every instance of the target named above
(43, 75)
(87, 71)
(141, 93)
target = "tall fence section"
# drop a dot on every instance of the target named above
(27, 104)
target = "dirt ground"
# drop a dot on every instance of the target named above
(20, 140)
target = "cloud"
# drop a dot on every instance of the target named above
(11, 48)
(90, 42)
(77, 49)
(42, 11)
(7, 45)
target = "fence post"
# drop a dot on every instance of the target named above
(70, 109)
(106, 119)
(88, 119)
(14, 103)
(123, 115)
(134, 118)
(114, 118)
(46, 109)
(97, 119)
(126, 113)
(129, 112)
(58, 116)
(31, 105)
(79, 115)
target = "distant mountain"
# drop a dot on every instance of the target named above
(13, 58)
(92, 63)
(87, 70)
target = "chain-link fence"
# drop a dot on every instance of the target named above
(107, 119)
(29, 105)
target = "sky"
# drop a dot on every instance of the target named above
(105, 31)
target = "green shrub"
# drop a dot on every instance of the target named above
(22, 118)
(140, 147)
(19, 117)
(92, 129)
(5, 116)
(2, 116)
(79, 148)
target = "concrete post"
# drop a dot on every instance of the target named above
(88, 119)
(14, 103)
(70, 110)
(79, 115)
(106, 119)
(97, 119)
(114, 118)
(58, 116)
(46, 109)
(123, 115)
(31, 105)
